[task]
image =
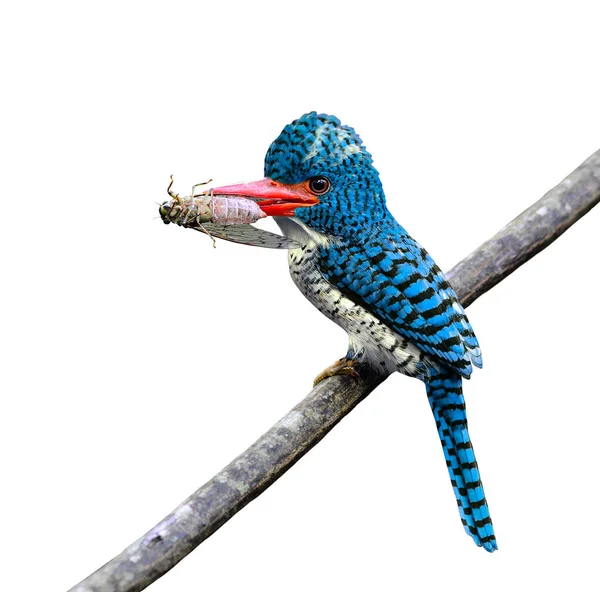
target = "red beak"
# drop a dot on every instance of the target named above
(273, 198)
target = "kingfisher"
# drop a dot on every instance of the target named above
(360, 268)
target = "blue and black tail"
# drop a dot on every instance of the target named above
(444, 390)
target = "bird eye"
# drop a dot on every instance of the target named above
(319, 185)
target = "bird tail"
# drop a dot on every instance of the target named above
(444, 390)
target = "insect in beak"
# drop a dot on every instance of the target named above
(272, 197)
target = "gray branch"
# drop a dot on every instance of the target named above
(206, 510)
(529, 233)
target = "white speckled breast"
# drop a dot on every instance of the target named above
(368, 337)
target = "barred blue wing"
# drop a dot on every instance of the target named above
(400, 283)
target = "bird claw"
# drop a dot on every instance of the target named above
(342, 367)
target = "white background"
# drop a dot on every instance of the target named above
(138, 360)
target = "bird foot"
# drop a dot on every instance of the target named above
(341, 367)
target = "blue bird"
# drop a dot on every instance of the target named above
(359, 267)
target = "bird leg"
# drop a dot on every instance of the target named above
(341, 367)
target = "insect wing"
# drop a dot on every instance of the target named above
(249, 235)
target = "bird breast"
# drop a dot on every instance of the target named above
(370, 339)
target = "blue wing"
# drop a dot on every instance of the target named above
(396, 280)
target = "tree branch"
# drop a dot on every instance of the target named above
(206, 510)
(529, 233)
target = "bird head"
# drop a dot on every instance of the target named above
(319, 172)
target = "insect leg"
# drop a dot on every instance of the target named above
(212, 238)
(173, 195)
(199, 185)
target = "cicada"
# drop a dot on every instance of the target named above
(222, 216)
